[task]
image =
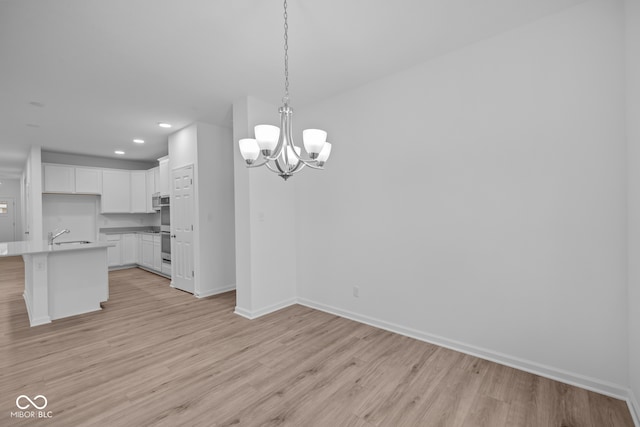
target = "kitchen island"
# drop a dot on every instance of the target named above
(63, 279)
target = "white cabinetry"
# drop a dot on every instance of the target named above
(130, 248)
(164, 175)
(157, 255)
(114, 253)
(152, 184)
(138, 192)
(88, 180)
(116, 191)
(58, 179)
(125, 251)
(71, 179)
(146, 259)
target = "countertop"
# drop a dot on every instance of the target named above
(26, 247)
(126, 230)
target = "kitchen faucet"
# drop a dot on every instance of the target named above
(52, 236)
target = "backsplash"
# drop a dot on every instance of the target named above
(128, 220)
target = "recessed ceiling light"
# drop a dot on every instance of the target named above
(119, 152)
(139, 141)
(164, 125)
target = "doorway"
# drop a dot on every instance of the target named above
(7, 219)
(182, 219)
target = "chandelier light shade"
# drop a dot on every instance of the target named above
(274, 146)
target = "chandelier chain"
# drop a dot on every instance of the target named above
(286, 56)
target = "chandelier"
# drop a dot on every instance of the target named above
(279, 153)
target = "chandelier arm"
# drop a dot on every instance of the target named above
(308, 162)
(298, 168)
(256, 165)
(281, 138)
(280, 169)
(268, 165)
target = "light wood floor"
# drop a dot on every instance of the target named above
(156, 356)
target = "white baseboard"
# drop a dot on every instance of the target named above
(634, 407)
(217, 291)
(265, 310)
(34, 322)
(593, 384)
(244, 313)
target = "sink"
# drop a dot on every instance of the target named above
(74, 242)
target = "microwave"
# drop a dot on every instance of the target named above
(158, 201)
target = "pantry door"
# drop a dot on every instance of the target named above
(182, 219)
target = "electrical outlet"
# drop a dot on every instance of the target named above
(356, 291)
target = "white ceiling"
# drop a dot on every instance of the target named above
(104, 72)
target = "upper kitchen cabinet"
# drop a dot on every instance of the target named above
(116, 191)
(88, 181)
(165, 177)
(153, 179)
(124, 191)
(138, 192)
(58, 179)
(71, 180)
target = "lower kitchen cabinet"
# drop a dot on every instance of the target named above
(130, 248)
(141, 249)
(114, 253)
(157, 255)
(146, 260)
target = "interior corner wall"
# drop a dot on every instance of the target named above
(242, 194)
(215, 209)
(632, 42)
(478, 200)
(265, 222)
(208, 148)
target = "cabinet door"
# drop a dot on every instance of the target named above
(114, 253)
(147, 251)
(130, 249)
(138, 192)
(88, 181)
(151, 188)
(157, 255)
(116, 192)
(164, 177)
(58, 179)
(156, 179)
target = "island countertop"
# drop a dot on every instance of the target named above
(26, 247)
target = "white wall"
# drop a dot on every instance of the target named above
(208, 149)
(32, 196)
(265, 222)
(215, 209)
(128, 220)
(76, 213)
(632, 39)
(479, 199)
(12, 188)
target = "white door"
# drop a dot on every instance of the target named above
(182, 218)
(7, 219)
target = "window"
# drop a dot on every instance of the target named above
(4, 208)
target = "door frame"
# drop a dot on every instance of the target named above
(194, 238)
(12, 199)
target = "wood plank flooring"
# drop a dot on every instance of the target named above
(156, 356)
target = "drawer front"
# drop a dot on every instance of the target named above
(147, 237)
